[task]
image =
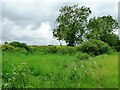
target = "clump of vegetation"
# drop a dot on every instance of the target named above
(67, 50)
(8, 47)
(51, 49)
(117, 46)
(17, 78)
(95, 47)
(19, 45)
(16, 47)
(83, 56)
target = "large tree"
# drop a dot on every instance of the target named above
(102, 28)
(71, 24)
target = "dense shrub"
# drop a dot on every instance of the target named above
(37, 49)
(67, 50)
(71, 50)
(62, 50)
(8, 47)
(83, 56)
(11, 49)
(55, 49)
(20, 45)
(113, 41)
(95, 47)
(51, 49)
(117, 47)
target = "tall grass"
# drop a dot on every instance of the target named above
(61, 71)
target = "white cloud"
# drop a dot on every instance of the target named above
(59, 1)
(43, 33)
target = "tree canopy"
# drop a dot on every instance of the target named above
(101, 28)
(71, 24)
(74, 28)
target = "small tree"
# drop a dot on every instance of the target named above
(5, 42)
(101, 28)
(71, 24)
(20, 45)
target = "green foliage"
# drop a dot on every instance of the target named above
(102, 28)
(44, 49)
(114, 42)
(17, 78)
(83, 56)
(51, 49)
(38, 49)
(71, 24)
(5, 42)
(59, 71)
(67, 50)
(19, 45)
(117, 47)
(8, 47)
(95, 47)
(111, 39)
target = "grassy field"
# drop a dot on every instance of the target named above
(59, 71)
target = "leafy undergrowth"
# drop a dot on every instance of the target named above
(59, 71)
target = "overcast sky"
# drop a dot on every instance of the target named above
(32, 21)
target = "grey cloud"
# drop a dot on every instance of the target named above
(25, 14)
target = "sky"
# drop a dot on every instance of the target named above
(32, 21)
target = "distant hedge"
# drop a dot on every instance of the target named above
(91, 47)
(55, 49)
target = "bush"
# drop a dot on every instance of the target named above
(12, 49)
(51, 49)
(113, 41)
(117, 47)
(71, 50)
(62, 50)
(67, 50)
(83, 56)
(95, 47)
(20, 45)
(8, 47)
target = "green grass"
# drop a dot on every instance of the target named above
(63, 71)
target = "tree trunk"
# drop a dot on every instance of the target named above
(71, 43)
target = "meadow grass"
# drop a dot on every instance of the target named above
(62, 71)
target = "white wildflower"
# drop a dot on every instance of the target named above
(14, 73)
(14, 78)
(6, 84)
(82, 66)
(94, 62)
(23, 63)
(9, 79)
(7, 73)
